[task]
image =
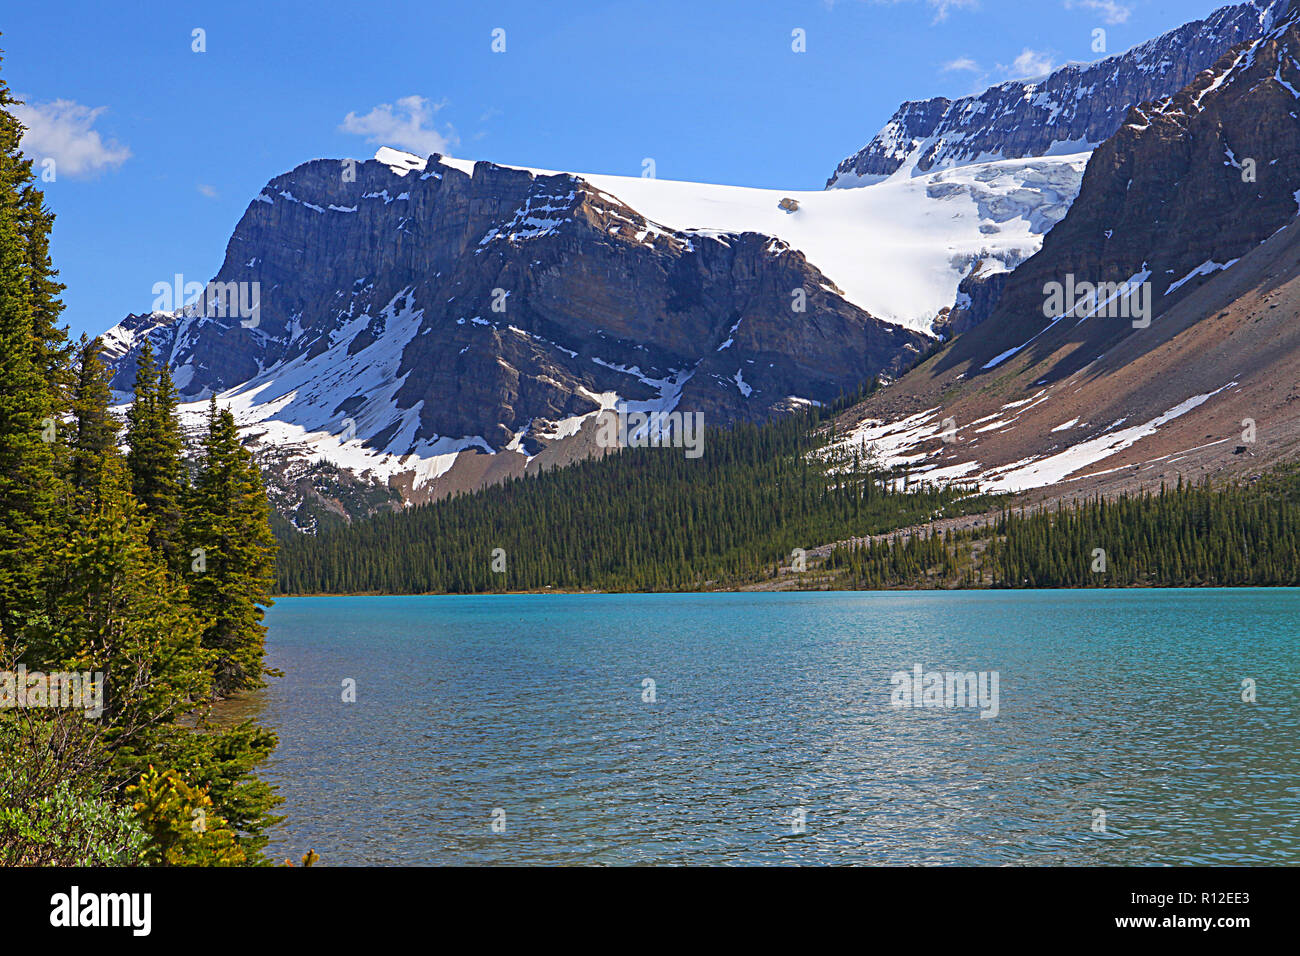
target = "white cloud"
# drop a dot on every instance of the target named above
(941, 8)
(1113, 13)
(61, 130)
(209, 191)
(1029, 63)
(408, 125)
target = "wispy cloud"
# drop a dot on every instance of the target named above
(941, 8)
(1028, 64)
(1111, 12)
(408, 124)
(62, 130)
(206, 190)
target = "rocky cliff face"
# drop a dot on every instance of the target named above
(421, 311)
(977, 296)
(1071, 110)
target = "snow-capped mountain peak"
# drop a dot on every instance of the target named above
(1071, 110)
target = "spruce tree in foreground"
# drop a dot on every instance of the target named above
(53, 351)
(91, 579)
(154, 437)
(233, 554)
(93, 432)
(120, 609)
(28, 426)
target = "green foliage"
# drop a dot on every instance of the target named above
(154, 437)
(28, 401)
(95, 578)
(918, 560)
(119, 611)
(49, 816)
(94, 428)
(1187, 536)
(641, 519)
(222, 763)
(1184, 536)
(183, 826)
(228, 522)
(65, 828)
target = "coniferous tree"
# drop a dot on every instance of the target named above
(122, 612)
(87, 583)
(157, 471)
(53, 350)
(28, 406)
(231, 575)
(93, 431)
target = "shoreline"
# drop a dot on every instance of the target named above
(752, 589)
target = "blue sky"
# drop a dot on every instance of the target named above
(159, 148)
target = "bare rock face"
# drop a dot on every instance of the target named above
(1073, 109)
(977, 295)
(423, 311)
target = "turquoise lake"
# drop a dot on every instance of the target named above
(522, 729)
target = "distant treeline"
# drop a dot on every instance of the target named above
(642, 519)
(1181, 536)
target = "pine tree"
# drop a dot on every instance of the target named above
(153, 434)
(28, 406)
(53, 351)
(232, 572)
(85, 582)
(94, 428)
(122, 612)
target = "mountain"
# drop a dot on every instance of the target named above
(1071, 110)
(1191, 208)
(428, 309)
(426, 326)
(429, 325)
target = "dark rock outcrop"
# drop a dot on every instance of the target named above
(977, 295)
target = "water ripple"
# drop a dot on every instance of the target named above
(775, 709)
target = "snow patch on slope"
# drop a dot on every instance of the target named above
(1058, 467)
(295, 405)
(1204, 269)
(901, 444)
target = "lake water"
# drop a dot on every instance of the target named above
(773, 736)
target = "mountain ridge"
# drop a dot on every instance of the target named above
(1055, 113)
